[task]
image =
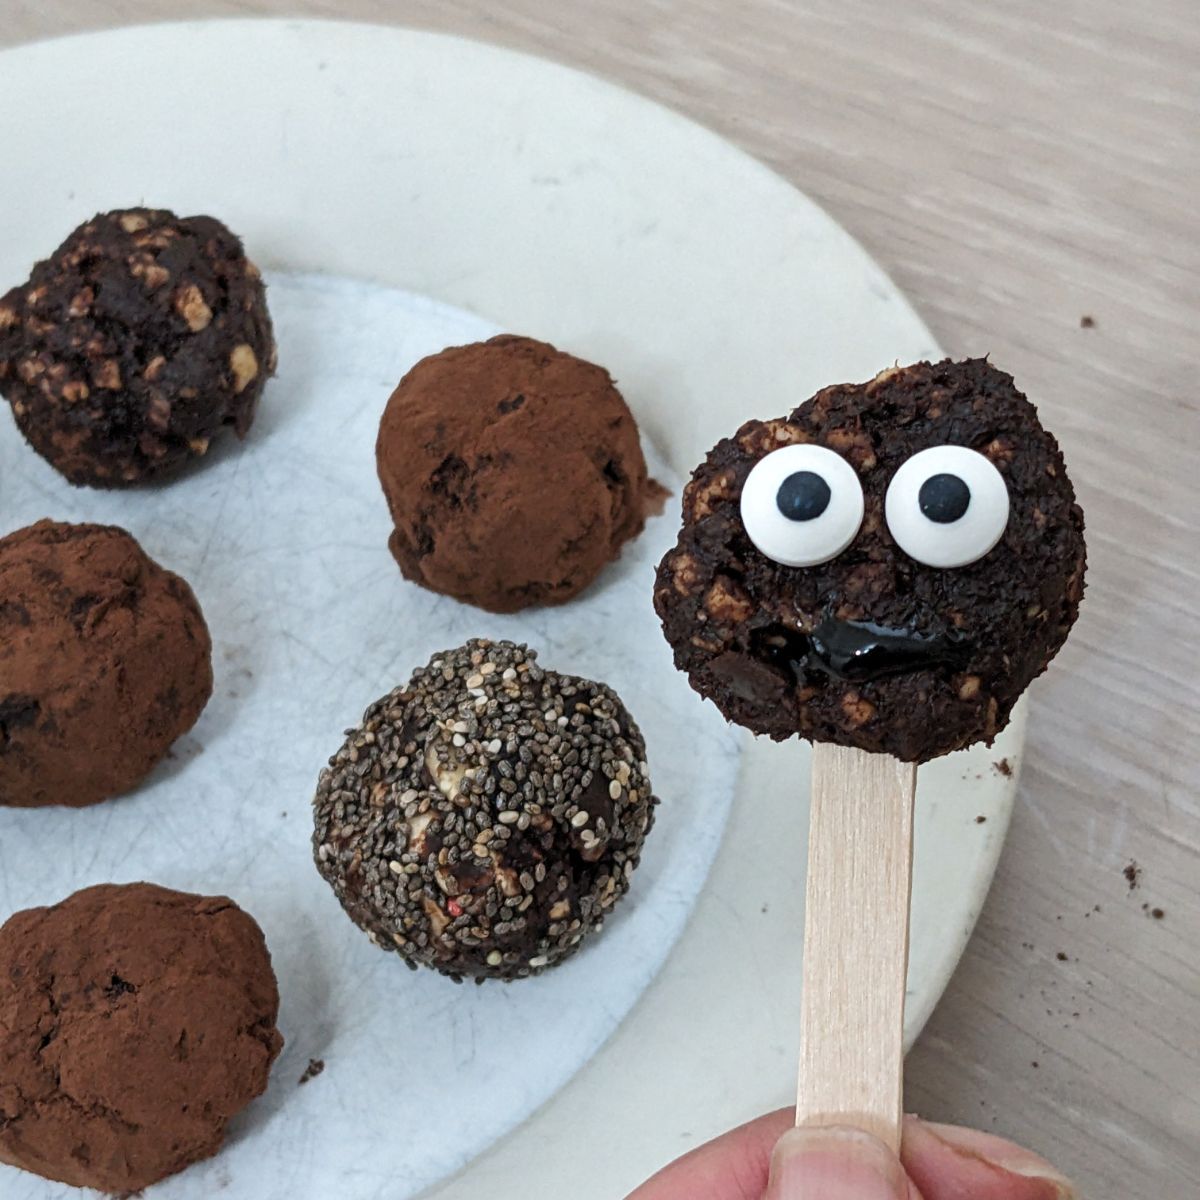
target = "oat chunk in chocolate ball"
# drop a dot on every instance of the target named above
(134, 1023)
(105, 660)
(486, 817)
(143, 338)
(886, 568)
(513, 473)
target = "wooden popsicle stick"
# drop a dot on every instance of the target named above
(856, 941)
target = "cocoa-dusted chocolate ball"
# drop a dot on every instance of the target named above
(887, 568)
(138, 342)
(105, 660)
(134, 1023)
(486, 817)
(513, 473)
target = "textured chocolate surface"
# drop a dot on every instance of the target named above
(512, 471)
(743, 627)
(134, 1023)
(105, 660)
(486, 817)
(139, 341)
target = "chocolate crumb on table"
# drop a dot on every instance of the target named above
(1004, 767)
(1133, 874)
(1086, 322)
(1062, 956)
(981, 819)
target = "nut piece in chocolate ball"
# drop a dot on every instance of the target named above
(105, 660)
(513, 473)
(143, 338)
(485, 818)
(886, 568)
(136, 1021)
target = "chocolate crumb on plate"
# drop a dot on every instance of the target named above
(314, 1068)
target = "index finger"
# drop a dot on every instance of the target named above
(732, 1167)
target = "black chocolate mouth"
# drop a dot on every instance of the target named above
(861, 650)
(858, 651)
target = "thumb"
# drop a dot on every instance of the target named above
(835, 1164)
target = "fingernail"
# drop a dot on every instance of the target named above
(834, 1164)
(983, 1148)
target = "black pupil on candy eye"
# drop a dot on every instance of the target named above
(803, 496)
(944, 498)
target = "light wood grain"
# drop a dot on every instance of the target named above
(1013, 166)
(860, 854)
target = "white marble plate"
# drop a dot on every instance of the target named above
(550, 203)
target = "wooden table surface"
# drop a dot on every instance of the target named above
(1028, 174)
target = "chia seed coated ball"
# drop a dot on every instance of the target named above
(886, 568)
(137, 343)
(513, 473)
(486, 817)
(105, 660)
(134, 1023)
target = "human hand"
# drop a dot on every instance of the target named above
(769, 1159)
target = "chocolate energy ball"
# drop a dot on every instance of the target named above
(140, 340)
(486, 817)
(887, 568)
(513, 473)
(134, 1023)
(105, 660)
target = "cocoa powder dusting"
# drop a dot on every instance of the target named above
(105, 660)
(513, 473)
(137, 1022)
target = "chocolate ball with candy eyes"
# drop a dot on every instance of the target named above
(887, 568)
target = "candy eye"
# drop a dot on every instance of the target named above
(802, 505)
(947, 506)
